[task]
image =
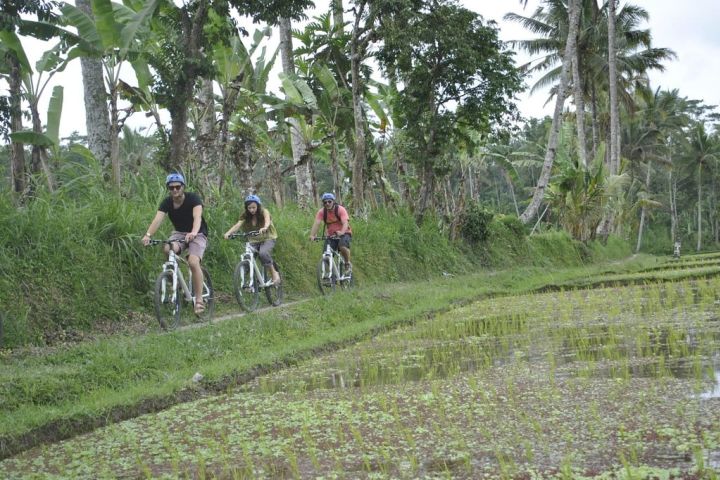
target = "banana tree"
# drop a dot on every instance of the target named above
(243, 88)
(50, 139)
(114, 36)
(33, 85)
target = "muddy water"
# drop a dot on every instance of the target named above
(681, 342)
(524, 387)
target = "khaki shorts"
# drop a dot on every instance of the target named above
(197, 246)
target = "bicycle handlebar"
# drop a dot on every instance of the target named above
(254, 233)
(326, 237)
(160, 242)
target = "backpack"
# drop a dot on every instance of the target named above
(335, 211)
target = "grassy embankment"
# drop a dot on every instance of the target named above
(77, 265)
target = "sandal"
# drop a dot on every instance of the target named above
(199, 308)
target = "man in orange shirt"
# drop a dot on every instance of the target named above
(337, 223)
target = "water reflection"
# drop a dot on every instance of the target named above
(590, 344)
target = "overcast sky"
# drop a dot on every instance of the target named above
(689, 28)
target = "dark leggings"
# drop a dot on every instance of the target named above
(264, 249)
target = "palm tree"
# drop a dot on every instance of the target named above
(634, 55)
(569, 54)
(703, 148)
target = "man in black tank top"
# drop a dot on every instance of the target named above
(185, 212)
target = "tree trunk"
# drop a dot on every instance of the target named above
(17, 165)
(699, 208)
(595, 123)
(193, 35)
(241, 154)
(643, 210)
(115, 137)
(335, 170)
(570, 46)
(301, 156)
(672, 186)
(579, 110)
(614, 105)
(357, 47)
(337, 12)
(207, 137)
(97, 117)
(39, 159)
(276, 183)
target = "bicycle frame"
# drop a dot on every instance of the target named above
(255, 272)
(334, 259)
(173, 265)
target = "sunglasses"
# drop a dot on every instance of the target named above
(174, 187)
(327, 202)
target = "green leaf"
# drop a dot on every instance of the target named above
(307, 93)
(137, 24)
(54, 114)
(327, 80)
(32, 138)
(107, 27)
(11, 42)
(142, 72)
(84, 24)
(291, 91)
(374, 103)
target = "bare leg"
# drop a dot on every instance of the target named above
(345, 252)
(197, 279)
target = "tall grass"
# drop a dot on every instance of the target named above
(72, 259)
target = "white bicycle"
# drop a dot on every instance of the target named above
(331, 270)
(171, 290)
(249, 278)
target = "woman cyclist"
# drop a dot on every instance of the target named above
(257, 218)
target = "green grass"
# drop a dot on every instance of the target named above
(59, 393)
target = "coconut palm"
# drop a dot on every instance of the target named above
(635, 55)
(703, 150)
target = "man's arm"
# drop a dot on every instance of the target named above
(197, 223)
(314, 228)
(159, 217)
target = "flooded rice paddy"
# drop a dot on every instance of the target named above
(617, 381)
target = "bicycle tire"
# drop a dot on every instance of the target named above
(325, 284)
(167, 311)
(345, 283)
(247, 297)
(274, 292)
(208, 296)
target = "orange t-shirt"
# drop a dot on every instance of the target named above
(334, 224)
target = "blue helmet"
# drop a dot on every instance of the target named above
(328, 196)
(175, 177)
(253, 198)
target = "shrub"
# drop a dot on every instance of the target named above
(475, 222)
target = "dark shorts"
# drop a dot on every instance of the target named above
(343, 241)
(197, 246)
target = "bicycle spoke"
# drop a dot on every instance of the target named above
(246, 288)
(167, 303)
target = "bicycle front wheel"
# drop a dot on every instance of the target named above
(246, 288)
(168, 303)
(325, 277)
(274, 292)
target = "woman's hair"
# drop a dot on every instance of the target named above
(248, 217)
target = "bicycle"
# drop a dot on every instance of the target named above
(171, 290)
(331, 269)
(249, 278)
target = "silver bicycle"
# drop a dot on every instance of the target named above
(171, 290)
(249, 277)
(331, 270)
